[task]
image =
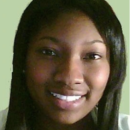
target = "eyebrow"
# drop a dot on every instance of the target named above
(56, 40)
(94, 41)
(50, 38)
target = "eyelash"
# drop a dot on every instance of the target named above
(48, 52)
(92, 56)
(88, 56)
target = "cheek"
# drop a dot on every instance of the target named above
(97, 76)
(38, 75)
(39, 72)
(96, 79)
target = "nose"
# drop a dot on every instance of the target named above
(70, 72)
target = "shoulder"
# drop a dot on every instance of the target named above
(3, 116)
(124, 122)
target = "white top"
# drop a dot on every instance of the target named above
(3, 116)
(124, 120)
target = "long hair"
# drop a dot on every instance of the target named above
(46, 11)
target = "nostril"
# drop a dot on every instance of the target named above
(78, 83)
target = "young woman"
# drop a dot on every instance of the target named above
(68, 67)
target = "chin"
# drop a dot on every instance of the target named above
(67, 119)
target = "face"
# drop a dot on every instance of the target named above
(67, 68)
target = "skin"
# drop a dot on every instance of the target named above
(69, 55)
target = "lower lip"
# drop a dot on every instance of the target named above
(65, 105)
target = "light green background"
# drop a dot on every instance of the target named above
(10, 13)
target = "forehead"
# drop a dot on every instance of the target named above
(71, 26)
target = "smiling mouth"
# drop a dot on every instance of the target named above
(65, 98)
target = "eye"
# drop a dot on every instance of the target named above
(92, 56)
(49, 52)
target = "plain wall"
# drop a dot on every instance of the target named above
(10, 13)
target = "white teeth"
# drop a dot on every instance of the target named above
(67, 98)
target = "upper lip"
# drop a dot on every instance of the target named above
(69, 92)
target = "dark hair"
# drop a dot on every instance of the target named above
(99, 11)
